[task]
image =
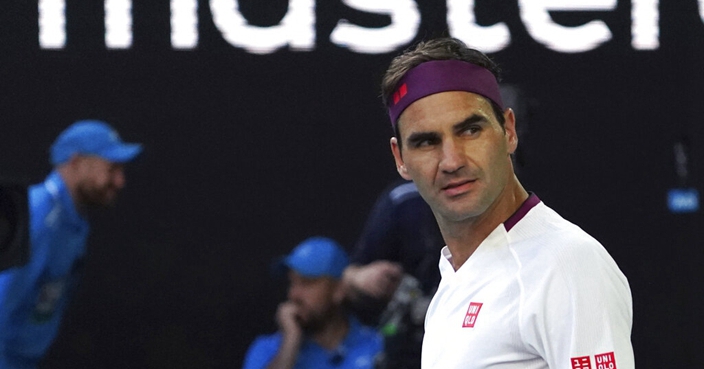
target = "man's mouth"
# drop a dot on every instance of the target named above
(458, 187)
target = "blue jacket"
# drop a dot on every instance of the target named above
(357, 351)
(33, 297)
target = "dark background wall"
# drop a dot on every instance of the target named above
(246, 155)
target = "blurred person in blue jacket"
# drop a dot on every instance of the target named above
(88, 159)
(315, 329)
(394, 272)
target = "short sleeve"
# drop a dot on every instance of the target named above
(578, 310)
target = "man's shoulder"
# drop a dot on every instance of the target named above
(554, 249)
(544, 226)
(266, 342)
(262, 350)
(39, 196)
(402, 191)
(42, 206)
(547, 239)
(364, 336)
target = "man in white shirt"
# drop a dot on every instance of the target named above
(521, 287)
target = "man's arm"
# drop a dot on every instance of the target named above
(17, 285)
(273, 353)
(582, 313)
(292, 337)
(378, 279)
(6, 306)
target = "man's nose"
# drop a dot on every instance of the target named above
(453, 156)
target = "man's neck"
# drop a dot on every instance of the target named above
(464, 237)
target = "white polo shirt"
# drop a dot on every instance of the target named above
(539, 292)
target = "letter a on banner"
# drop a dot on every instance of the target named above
(297, 28)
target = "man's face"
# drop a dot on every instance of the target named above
(99, 181)
(456, 152)
(315, 299)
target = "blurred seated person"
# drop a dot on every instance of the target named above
(401, 241)
(315, 330)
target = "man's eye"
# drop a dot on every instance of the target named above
(472, 130)
(425, 142)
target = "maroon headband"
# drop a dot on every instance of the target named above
(439, 76)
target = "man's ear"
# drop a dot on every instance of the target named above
(510, 128)
(400, 166)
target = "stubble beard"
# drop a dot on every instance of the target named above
(97, 197)
(315, 321)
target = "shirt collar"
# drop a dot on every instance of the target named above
(530, 202)
(56, 186)
(445, 264)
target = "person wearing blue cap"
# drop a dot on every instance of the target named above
(88, 159)
(315, 330)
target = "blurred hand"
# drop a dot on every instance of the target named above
(378, 279)
(288, 322)
(292, 334)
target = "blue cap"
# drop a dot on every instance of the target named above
(92, 137)
(317, 257)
